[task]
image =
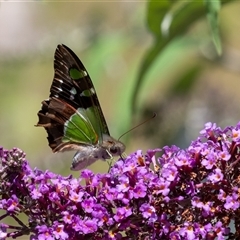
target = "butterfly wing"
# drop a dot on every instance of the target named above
(72, 115)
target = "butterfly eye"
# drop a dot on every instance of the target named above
(113, 149)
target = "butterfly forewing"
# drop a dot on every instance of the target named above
(76, 115)
(77, 88)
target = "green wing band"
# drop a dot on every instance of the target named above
(79, 128)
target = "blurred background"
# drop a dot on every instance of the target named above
(143, 57)
(109, 38)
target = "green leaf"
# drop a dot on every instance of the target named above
(155, 14)
(183, 16)
(175, 17)
(168, 20)
(213, 8)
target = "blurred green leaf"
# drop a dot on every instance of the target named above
(213, 8)
(168, 20)
(155, 14)
(190, 11)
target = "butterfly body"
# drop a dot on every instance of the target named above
(91, 153)
(72, 115)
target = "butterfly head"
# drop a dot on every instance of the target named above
(113, 146)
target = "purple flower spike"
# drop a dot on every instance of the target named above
(183, 194)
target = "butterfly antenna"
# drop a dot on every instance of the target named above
(140, 124)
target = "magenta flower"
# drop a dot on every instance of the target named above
(183, 194)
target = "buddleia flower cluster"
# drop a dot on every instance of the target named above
(167, 193)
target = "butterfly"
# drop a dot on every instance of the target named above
(72, 115)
